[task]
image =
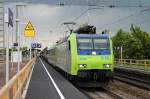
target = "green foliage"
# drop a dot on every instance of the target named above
(136, 43)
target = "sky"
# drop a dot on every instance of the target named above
(47, 16)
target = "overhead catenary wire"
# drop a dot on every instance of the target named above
(114, 4)
(138, 23)
(106, 3)
(124, 18)
(103, 4)
(84, 12)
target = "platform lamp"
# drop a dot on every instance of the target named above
(17, 31)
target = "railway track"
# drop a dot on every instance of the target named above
(102, 93)
(138, 79)
(114, 94)
(131, 77)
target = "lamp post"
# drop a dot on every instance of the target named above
(7, 48)
(9, 22)
(121, 48)
(17, 32)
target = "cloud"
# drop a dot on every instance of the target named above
(48, 18)
(42, 10)
(86, 2)
(43, 18)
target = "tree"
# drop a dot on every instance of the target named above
(120, 39)
(136, 43)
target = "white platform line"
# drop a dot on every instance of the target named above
(55, 85)
(27, 85)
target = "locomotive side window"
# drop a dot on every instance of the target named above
(69, 45)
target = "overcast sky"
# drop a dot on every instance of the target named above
(47, 16)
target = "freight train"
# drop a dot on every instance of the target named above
(86, 58)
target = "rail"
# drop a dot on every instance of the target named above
(14, 88)
(2, 61)
(102, 93)
(133, 62)
(133, 77)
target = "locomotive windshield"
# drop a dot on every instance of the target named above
(89, 44)
(101, 43)
(93, 43)
(85, 44)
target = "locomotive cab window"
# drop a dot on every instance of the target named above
(102, 44)
(85, 43)
(69, 45)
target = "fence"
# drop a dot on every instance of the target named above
(14, 88)
(133, 62)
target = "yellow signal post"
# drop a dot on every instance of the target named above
(29, 32)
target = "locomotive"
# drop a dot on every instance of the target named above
(85, 58)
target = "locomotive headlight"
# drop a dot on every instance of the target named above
(106, 65)
(93, 53)
(82, 65)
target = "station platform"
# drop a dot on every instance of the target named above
(47, 83)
